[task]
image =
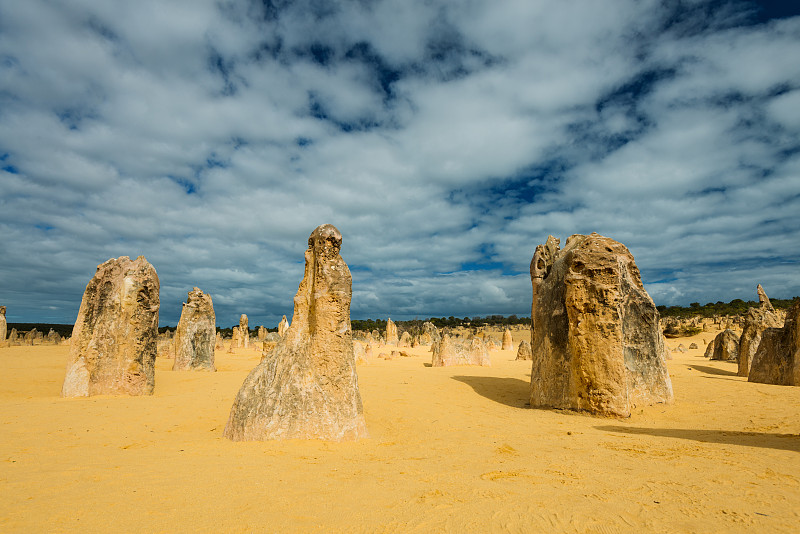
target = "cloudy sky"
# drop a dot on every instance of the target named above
(444, 139)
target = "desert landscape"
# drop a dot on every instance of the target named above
(368, 266)
(451, 448)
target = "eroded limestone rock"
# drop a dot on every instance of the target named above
(244, 332)
(726, 346)
(283, 326)
(755, 322)
(524, 351)
(113, 348)
(508, 341)
(308, 388)
(3, 325)
(391, 332)
(196, 334)
(405, 340)
(236, 339)
(777, 359)
(596, 340)
(449, 352)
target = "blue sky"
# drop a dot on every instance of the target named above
(444, 139)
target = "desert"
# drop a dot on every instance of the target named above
(450, 449)
(400, 267)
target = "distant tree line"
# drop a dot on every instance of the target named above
(734, 307)
(63, 330)
(415, 325)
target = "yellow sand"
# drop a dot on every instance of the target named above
(452, 449)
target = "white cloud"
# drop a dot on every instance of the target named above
(457, 137)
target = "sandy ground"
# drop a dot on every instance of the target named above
(452, 449)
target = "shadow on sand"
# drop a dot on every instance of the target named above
(509, 391)
(786, 442)
(712, 370)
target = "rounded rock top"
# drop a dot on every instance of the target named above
(325, 236)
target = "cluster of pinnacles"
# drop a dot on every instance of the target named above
(596, 342)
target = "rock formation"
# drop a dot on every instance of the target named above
(432, 333)
(777, 359)
(236, 338)
(283, 326)
(359, 352)
(524, 351)
(262, 333)
(508, 341)
(755, 322)
(726, 346)
(710, 349)
(113, 347)
(196, 334)
(3, 325)
(692, 345)
(244, 332)
(448, 352)
(391, 332)
(405, 340)
(596, 340)
(12, 337)
(30, 336)
(308, 388)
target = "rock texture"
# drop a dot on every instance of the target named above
(405, 340)
(448, 352)
(283, 326)
(244, 332)
(508, 341)
(391, 332)
(710, 349)
(755, 322)
(430, 334)
(596, 340)
(196, 334)
(236, 338)
(3, 325)
(726, 346)
(524, 351)
(113, 347)
(777, 359)
(307, 387)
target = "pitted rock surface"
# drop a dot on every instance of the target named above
(307, 387)
(596, 340)
(196, 334)
(114, 346)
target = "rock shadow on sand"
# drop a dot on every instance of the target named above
(509, 391)
(786, 442)
(712, 370)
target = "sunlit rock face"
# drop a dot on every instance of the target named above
(114, 341)
(283, 326)
(596, 341)
(307, 387)
(777, 359)
(524, 350)
(196, 334)
(508, 340)
(3, 326)
(755, 322)
(449, 352)
(726, 346)
(391, 332)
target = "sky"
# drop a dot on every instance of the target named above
(444, 139)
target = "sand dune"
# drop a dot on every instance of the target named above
(451, 449)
